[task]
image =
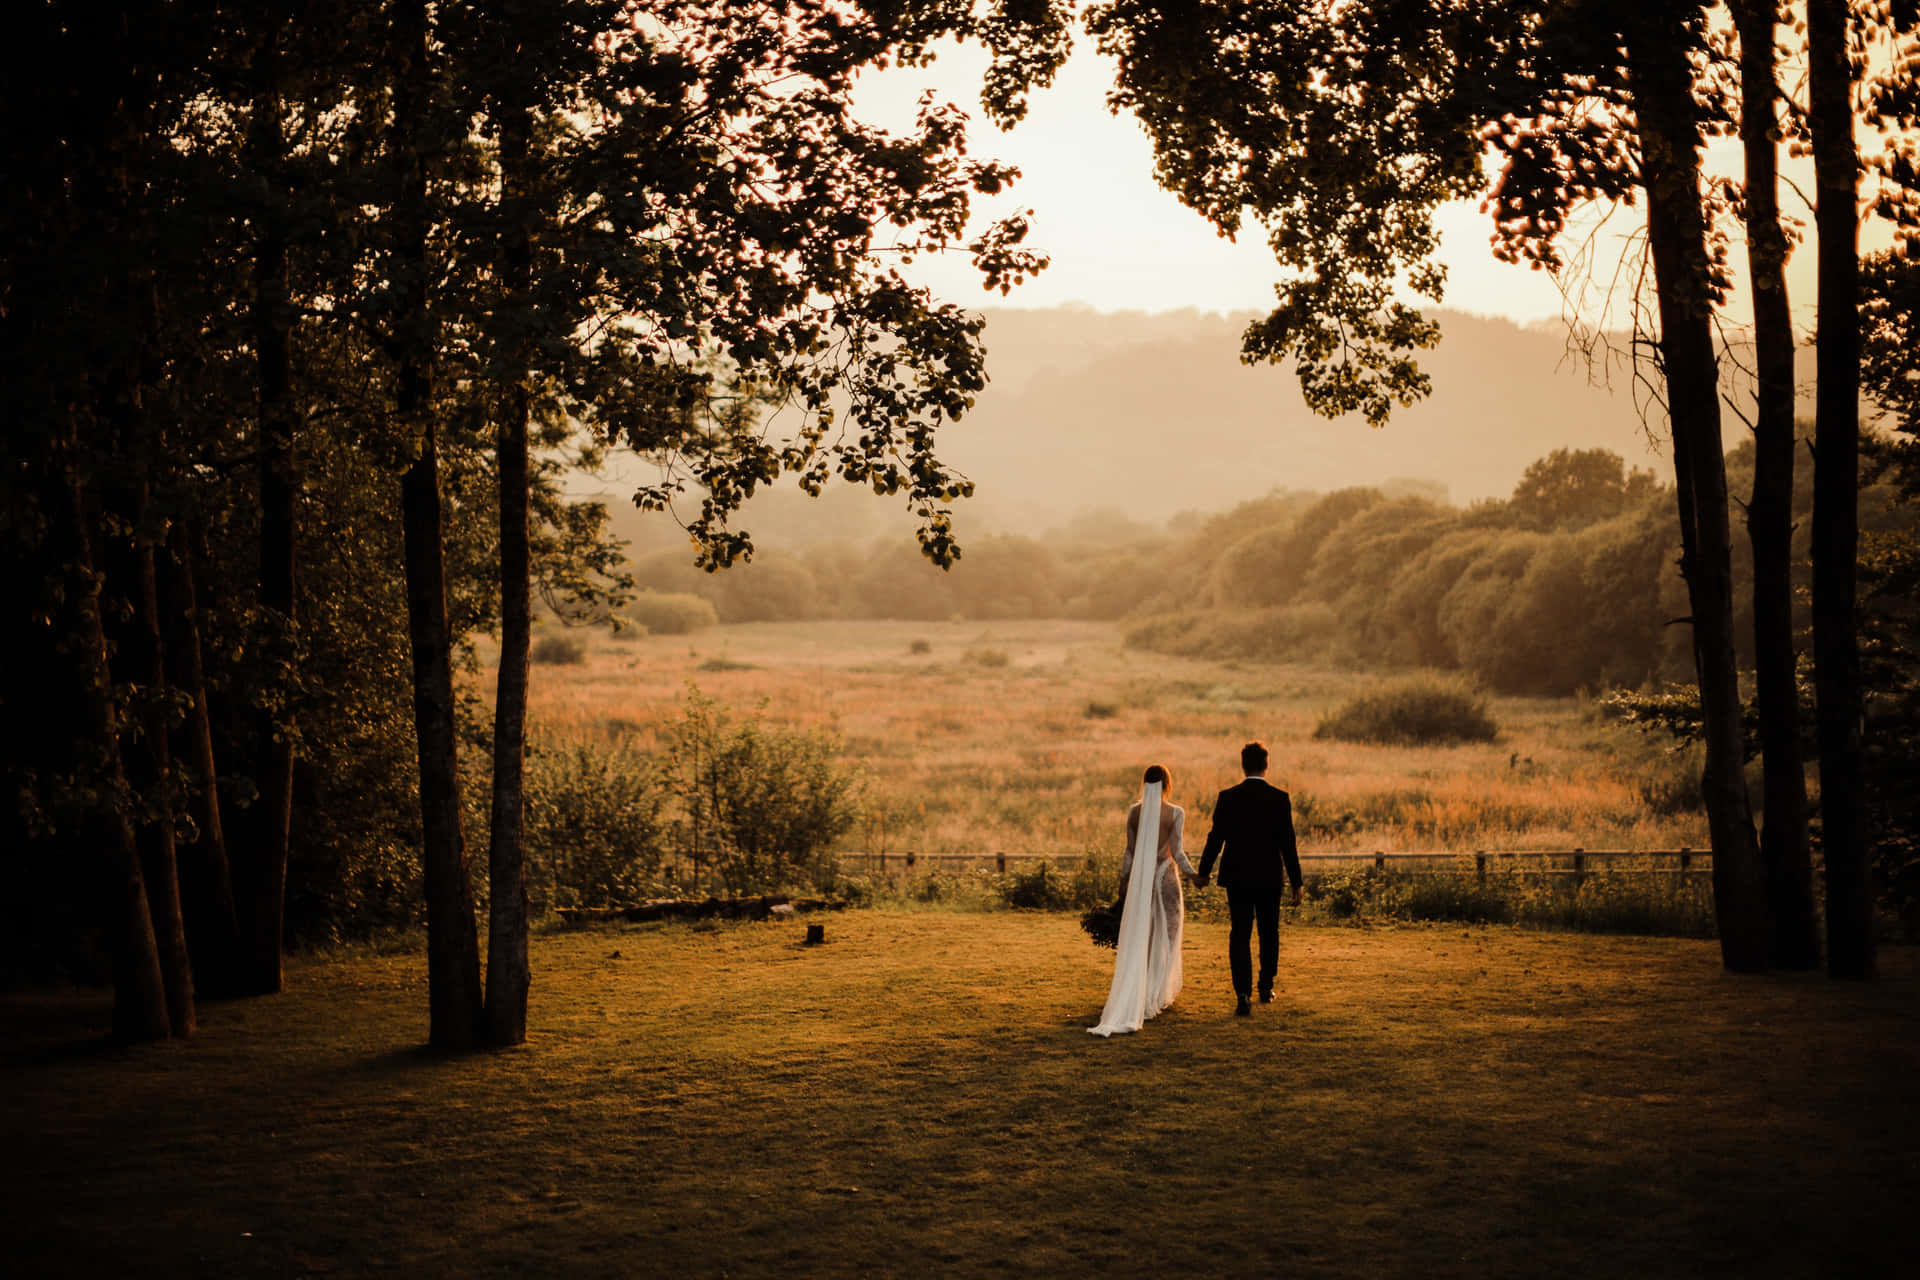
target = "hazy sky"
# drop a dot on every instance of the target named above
(1119, 242)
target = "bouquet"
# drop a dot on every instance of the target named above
(1103, 923)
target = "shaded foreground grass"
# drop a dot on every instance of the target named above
(920, 1095)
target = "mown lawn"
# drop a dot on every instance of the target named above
(919, 1096)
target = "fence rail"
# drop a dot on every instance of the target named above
(1561, 862)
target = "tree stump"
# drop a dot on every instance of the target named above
(816, 934)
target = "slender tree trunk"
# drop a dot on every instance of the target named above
(1836, 469)
(454, 1003)
(139, 987)
(1676, 226)
(106, 189)
(148, 761)
(1783, 839)
(508, 969)
(453, 958)
(266, 884)
(206, 883)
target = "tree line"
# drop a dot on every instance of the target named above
(1339, 130)
(1566, 586)
(299, 297)
(303, 305)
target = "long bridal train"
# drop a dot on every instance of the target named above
(1147, 971)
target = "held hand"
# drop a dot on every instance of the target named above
(1296, 895)
(1200, 881)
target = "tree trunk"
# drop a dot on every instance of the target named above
(1676, 226)
(140, 663)
(266, 883)
(1783, 838)
(453, 957)
(508, 969)
(139, 987)
(1836, 464)
(206, 883)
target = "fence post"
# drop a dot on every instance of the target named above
(1480, 865)
(1379, 860)
(1579, 866)
(1000, 861)
(912, 857)
(1686, 859)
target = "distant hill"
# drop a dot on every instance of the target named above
(1151, 415)
(1155, 415)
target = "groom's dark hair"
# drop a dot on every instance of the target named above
(1157, 773)
(1253, 758)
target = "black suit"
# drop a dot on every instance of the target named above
(1252, 836)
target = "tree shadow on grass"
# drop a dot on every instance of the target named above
(411, 1058)
(48, 1028)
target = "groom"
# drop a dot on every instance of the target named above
(1252, 836)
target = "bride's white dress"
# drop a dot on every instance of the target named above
(1146, 963)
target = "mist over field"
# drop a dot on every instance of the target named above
(1146, 416)
(1519, 526)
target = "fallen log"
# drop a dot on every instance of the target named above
(762, 908)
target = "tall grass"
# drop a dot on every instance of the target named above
(961, 758)
(1413, 710)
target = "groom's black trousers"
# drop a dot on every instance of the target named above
(1244, 906)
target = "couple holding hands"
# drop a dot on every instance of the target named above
(1252, 836)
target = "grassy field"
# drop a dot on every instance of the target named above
(1029, 737)
(920, 1096)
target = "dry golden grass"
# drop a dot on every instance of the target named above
(919, 1096)
(1044, 754)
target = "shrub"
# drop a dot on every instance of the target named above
(855, 891)
(595, 825)
(672, 613)
(1414, 710)
(1039, 888)
(1290, 633)
(559, 650)
(988, 657)
(1097, 710)
(1096, 882)
(1343, 894)
(769, 588)
(762, 805)
(1673, 786)
(920, 646)
(1611, 900)
(935, 888)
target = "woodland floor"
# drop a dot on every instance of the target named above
(920, 1096)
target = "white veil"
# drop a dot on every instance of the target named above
(1127, 999)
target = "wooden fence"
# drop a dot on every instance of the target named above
(1550, 862)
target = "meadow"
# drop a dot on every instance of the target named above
(1028, 737)
(919, 1095)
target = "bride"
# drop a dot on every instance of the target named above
(1146, 964)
